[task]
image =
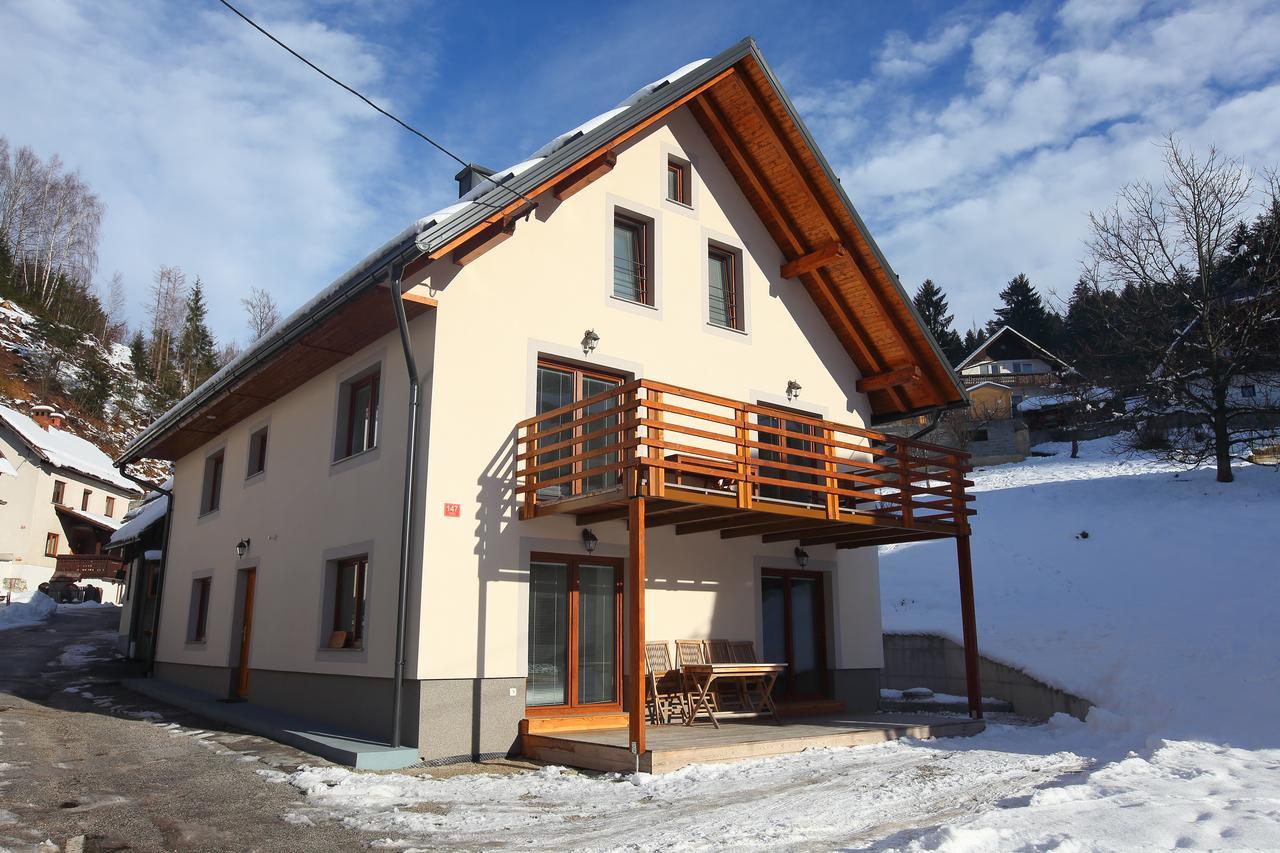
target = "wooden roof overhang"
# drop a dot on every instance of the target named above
(359, 322)
(763, 142)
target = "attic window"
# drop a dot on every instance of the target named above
(679, 181)
(58, 488)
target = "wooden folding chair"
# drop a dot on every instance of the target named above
(743, 651)
(687, 652)
(719, 651)
(664, 684)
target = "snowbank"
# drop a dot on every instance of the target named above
(32, 612)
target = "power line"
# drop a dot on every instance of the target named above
(337, 82)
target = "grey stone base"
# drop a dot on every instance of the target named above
(858, 689)
(449, 720)
(927, 660)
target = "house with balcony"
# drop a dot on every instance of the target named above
(625, 392)
(1012, 359)
(60, 501)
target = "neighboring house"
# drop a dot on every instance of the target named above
(59, 506)
(652, 357)
(1011, 358)
(139, 545)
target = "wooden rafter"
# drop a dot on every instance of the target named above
(825, 254)
(587, 173)
(889, 379)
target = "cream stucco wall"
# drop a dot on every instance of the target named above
(536, 294)
(27, 515)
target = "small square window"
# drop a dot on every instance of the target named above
(679, 184)
(84, 500)
(357, 415)
(59, 488)
(724, 291)
(111, 506)
(51, 545)
(257, 452)
(211, 493)
(349, 576)
(199, 616)
(631, 241)
(979, 435)
(1248, 391)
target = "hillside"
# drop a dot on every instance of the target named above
(43, 362)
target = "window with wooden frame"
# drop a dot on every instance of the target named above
(586, 432)
(724, 297)
(575, 634)
(59, 489)
(349, 577)
(84, 500)
(200, 589)
(257, 453)
(358, 415)
(111, 506)
(679, 182)
(211, 491)
(631, 241)
(790, 434)
(51, 545)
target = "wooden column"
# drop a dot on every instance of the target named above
(635, 600)
(969, 620)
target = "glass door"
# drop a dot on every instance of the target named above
(575, 633)
(560, 385)
(794, 620)
(792, 441)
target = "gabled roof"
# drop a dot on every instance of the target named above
(102, 522)
(990, 384)
(141, 518)
(63, 449)
(1044, 354)
(755, 128)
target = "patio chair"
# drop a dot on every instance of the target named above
(743, 651)
(695, 652)
(719, 651)
(663, 684)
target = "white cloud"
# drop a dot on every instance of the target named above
(996, 174)
(212, 148)
(900, 56)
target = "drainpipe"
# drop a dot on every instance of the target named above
(406, 520)
(929, 427)
(164, 561)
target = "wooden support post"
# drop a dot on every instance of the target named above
(657, 474)
(635, 599)
(742, 434)
(904, 483)
(969, 620)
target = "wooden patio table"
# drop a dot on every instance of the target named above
(705, 675)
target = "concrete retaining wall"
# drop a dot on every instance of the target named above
(927, 660)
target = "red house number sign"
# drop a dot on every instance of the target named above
(452, 510)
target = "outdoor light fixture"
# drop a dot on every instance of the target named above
(802, 557)
(589, 540)
(241, 547)
(793, 389)
(589, 341)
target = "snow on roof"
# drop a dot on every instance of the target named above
(104, 521)
(64, 449)
(982, 346)
(6, 467)
(141, 517)
(991, 384)
(1046, 401)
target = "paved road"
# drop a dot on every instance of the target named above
(87, 765)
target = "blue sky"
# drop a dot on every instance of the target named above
(974, 138)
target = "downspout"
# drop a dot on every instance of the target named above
(164, 561)
(410, 484)
(934, 420)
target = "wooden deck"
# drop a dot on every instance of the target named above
(675, 746)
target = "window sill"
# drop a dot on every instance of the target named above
(197, 644)
(632, 302)
(255, 477)
(355, 460)
(683, 205)
(731, 329)
(209, 513)
(347, 649)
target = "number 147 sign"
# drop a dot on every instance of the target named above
(453, 510)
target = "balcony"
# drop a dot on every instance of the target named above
(708, 463)
(1011, 379)
(88, 567)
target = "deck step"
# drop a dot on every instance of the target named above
(810, 707)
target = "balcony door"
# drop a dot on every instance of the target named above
(575, 634)
(788, 434)
(582, 445)
(794, 618)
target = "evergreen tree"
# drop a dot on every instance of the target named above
(138, 354)
(93, 389)
(973, 339)
(1025, 311)
(197, 354)
(931, 303)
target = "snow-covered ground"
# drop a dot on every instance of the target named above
(1163, 615)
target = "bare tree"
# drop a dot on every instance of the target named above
(963, 425)
(1194, 290)
(116, 306)
(261, 310)
(168, 303)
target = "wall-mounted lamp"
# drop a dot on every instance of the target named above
(589, 341)
(793, 389)
(802, 557)
(241, 547)
(589, 540)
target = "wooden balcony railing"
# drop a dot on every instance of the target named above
(685, 445)
(87, 566)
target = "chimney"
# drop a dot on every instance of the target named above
(44, 415)
(470, 176)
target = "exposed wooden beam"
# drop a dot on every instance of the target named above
(889, 379)
(611, 514)
(825, 254)
(717, 523)
(810, 529)
(888, 538)
(761, 528)
(585, 174)
(694, 513)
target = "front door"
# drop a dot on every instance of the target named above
(575, 632)
(246, 632)
(795, 631)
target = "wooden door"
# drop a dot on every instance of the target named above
(246, 632)
(793, 611)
